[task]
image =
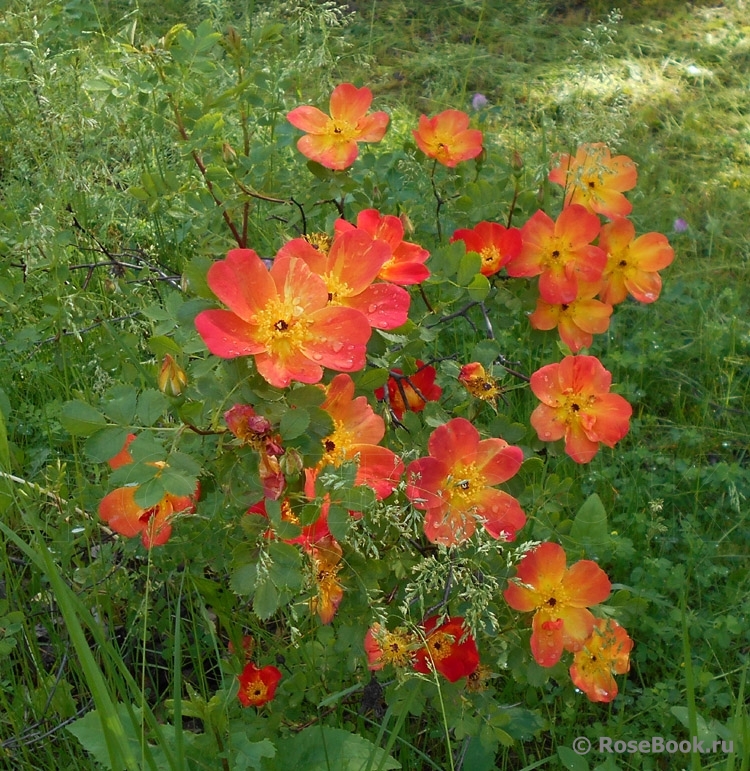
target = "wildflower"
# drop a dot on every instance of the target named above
(358, 430)
(596, 180)
(478, 383)
(577, 321)
(332, 140)
(680, 225)
(383, 647)
(478, 101)
(411, 392)
(605, 653)
(560, 596)
(494, 243)
(126, 517)
(454, 485)
(282, 317)
(448, 649)
(576, 404)
(406, 262)
(349, 269)
(172, 378)
(257, 685)
(560, 253)
(447, 138)
(326, 561)
(247, 647)
(632, 263)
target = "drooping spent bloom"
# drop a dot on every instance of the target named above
(494, 243)
(358, 430)
(596, 180)
(310, 535)
(560, 598)
(478, 383)
(448, 649)
(411, 392)
(447, 138)
(257, 685)
(331, 140)
(605, 653)
(349, 269)
(454, 485)
(577, 322)
(632, 263)
(576, 404)
(406, 264)
(560, 253)
(172, 378)
(126, 517)
(283, 318)
(325, 556)
(256, 431)
(384, 647)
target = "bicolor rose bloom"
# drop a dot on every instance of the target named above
(560, 253)
(559, 597)
(356, 437)
(454, 485)
(577, 322)
(126, 517)
(632, 263)
(349, 269)
(448, 649)
(576, 404)
(406, 264)
(596, 180)
(326, 562)
(411, 392)
(331, 140)
(283, 318)
(257, 685)
(494, 243)
(384, 647)
(605, 653)
(447, 138)
(310, 535)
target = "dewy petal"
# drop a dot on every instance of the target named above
(120, 511)
(645, 287)
(577, 626)
(349, 103)
(379, 468)
(241, 282)
(497, 461)
(545, 385)
(385, 306)
(538, 573)
(577, 444)
(300, 247)
(328, 150)
(500, 513)
(425, 478)
(454, 442)
(546, 639)
(586, 584)
(548, 423)
(309, 119)
(280, 371)
(372, 128)
(295, 281)
(577, 225)
(338, 339)
(227, 335)
(356, 259)
(612, 413)
(592, 316)
(558, 284)
(572, 335)
(583, 375)
(449, 528)
(651, 252)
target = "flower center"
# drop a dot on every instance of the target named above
(439, 645)
(337, 445)
(256, 691)
(342, 130)
(336, 288)
(463, 486)
(282, 327)
(490, 256)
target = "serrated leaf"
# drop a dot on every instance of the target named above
(177, 483)
(590, 528)
(478, 288)
(571, 760)
(338, 522)
(265, 600)
(372, 379)
(161, 344)
(150, 492)
(81, 419)
(470, 265)
(306, 396)
(119, 404)
(250, 754)
(243, 580)
(105, 443)
(294, 423)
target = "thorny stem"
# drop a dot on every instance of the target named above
(439, 200)
(512, 210)
(424, 297)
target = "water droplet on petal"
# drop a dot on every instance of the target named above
(317, 356)
(336, 346)
(372, 308)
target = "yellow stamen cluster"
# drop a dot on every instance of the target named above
(336, 445)
(282, 327)
(320, 241)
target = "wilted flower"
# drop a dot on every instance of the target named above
(332, 141)
(560, 597)
(605, 653)
(257, 685)
(411, 392)
(478, 383)
(326, 561)
(447, 137)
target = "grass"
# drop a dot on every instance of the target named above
(666, 84)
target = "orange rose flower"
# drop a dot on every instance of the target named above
(494, 243)
(632, 263)
(447, 138)
(454, 485)
(605, 653)
(257, 685)
(596, 180)
(283, 318)
(576, 404)
(449, 649)
(332, 140)
(560, 253)
(560, 596)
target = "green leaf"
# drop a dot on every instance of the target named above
(371, 379)
(589, 527)
(321, 748)
(250, 754)
(306, 396)
(338, 522)
(81, 419)
(479, 287)
(150, 493)
(571, 760)
(265, 600)
(151, 406)
(105, 443)
(161, 344)
(119, 404)
(470, 265)
(294, 423)
(177, 483)
(243, 580)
